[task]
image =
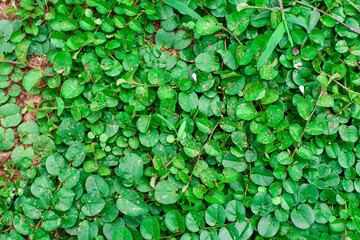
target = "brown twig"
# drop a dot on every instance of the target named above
(344, 87)
(228, 31)
(321, 11)
(345, 107)
(38, 225)
(6, 158)
(281, 5)
(198, 158)
(332, 79)
(307, 122)
(8, 229)
(263, 7)
(26, 64)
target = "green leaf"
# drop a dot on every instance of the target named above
(189, 101)
(130, 203)
(274, 115)
(237, 22)
(72, 88)
(31, 79)
(63, 63)
(268, 226)
(325, 101)
(96, 184)
(93, 204)
(150, 228)
(262, 176)
(207, 62)
(122, 233)
(208, 25)
(54, 164)
(254, 91)
(246, 111)
(303, 217)
(23, 224)
(21, 50)
(174, 221)
(215, 215)
(131, 169)
(304, 108)
(166, 192)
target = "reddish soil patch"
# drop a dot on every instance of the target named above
(157, 26)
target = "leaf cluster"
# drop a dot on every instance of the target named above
(187, 120)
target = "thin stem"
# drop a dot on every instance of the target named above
(346, 88)
(19, 63)
(340, 84)
(321, 11)
(54, 108)
(8, 229)
(346, 232)
(345, 107)
(281, 6)
(38, 225)
(263, 7)
(247, 184)
(5, 159)
(26, 64)
(141, 12)
(60, 185)
(228, 31)
(198, 158)
(143, 84)
(205, 228)
(307, 122)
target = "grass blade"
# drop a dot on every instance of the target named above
(183, 8)
(354, 5)
(288, 32)
(271, 45)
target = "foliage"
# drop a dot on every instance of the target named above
(249, 131)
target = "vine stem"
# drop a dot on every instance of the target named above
(26, 64)
(346, 88)
(345, 107)
(198, 158)
(263, 7)
(307, 122)
(38, 225)
(316, 106)
(321, 11)
(340, 84)
(8, 229)
(228, 31)
(205, 228)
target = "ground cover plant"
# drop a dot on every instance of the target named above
(190, 119)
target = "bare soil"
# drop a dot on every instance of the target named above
(157, 26)
(24, 99)
(5, 4)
